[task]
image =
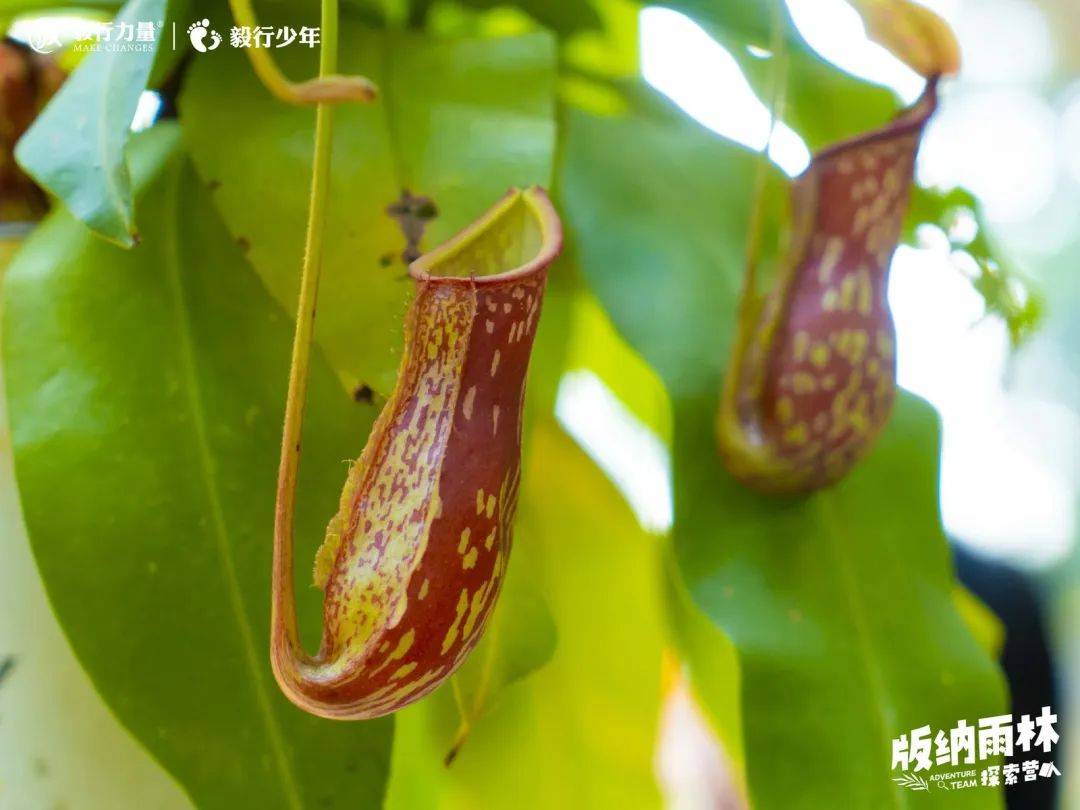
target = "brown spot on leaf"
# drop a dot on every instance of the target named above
(412, 214)
(213, 185)
(451, 755)
(244, 243)
(363, 394)
(6, 666)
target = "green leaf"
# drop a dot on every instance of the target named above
(839, 605)
(580, 731)
(51, 755)
(146, 390)
(663, 223)
(75, 148)
(984, 625)
(458, 121)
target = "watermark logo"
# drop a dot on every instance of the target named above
(204, 38)
(44, 41)
(122, 37)
(923, 760)
(267, 36)
(197, 33)
(50, 34)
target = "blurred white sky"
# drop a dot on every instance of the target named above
(1010, 470)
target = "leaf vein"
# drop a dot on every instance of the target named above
(228, 564)
(834, 528)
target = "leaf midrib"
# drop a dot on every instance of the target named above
(875, 679)
(398, 167)
(208, 478)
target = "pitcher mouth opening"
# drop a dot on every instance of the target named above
(517, 237)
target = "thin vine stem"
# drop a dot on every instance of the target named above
(329, 87)
(777, 94)
(468, 715)
(283, 606)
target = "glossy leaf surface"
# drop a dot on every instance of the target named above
(59, 743)
(148, 386)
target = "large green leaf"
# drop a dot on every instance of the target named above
(581, 731)
(839, 605)
(78, 755)
(145, 391)
(660, 232)
(458, 121)
(75, 148)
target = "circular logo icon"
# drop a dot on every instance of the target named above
(44, 41)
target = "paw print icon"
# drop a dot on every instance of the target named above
(198, 32)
